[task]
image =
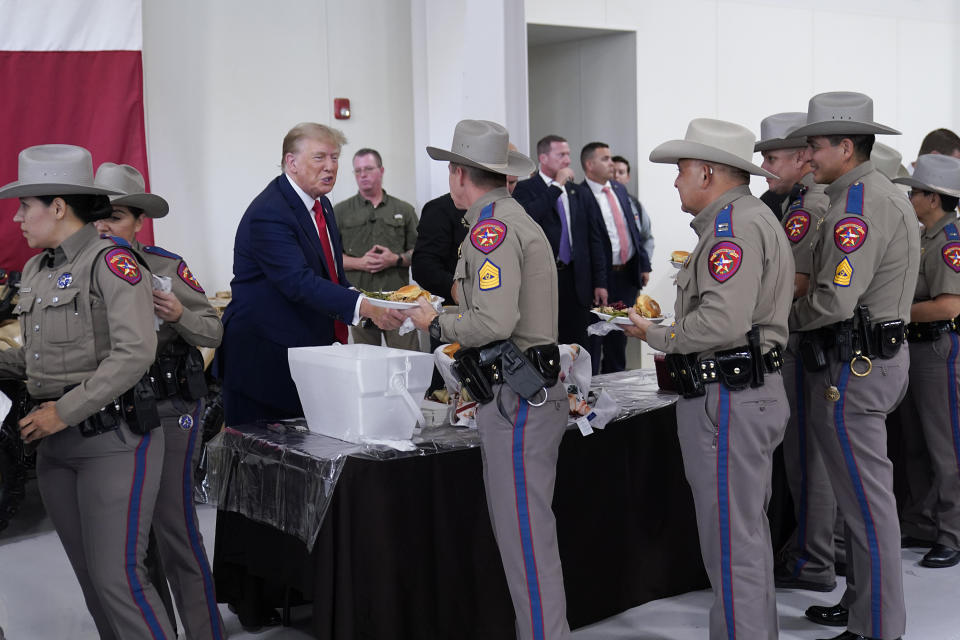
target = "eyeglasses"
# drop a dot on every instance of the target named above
(365, 170)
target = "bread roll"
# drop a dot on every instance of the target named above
(408, 293)
(647, 306)
(451, 349)
(679, 256)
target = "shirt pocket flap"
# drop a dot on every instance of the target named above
(58, 299)
(24, 303)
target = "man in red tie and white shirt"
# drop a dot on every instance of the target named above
(627, 261)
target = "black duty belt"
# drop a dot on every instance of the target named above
(529, 374)
(929, 331)
(853, 340)
(736, 369)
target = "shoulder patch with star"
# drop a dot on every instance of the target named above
(122, 264)
(724, 261)
(797, 225)
(487, 235)
(951, 255)
(849, 234)
(187, 276)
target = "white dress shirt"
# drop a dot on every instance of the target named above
(608, 219)
(565, 198)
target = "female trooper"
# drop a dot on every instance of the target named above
(188, 321)
(935, 345)
(86, 317)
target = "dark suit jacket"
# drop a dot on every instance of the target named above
(439, 234)
(586, 229)
(640, 260)
(282, 295)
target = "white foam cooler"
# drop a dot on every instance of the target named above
(356, 392)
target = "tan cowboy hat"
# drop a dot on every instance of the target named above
(935, 172)
(886, 160)
(775, 131)
(484, 144)
(712, 141)
(841, 113)
(129, 183)
(53, 170)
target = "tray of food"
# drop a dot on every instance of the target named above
(403, 298)
(617, 312)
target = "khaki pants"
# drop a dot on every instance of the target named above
(410, 341)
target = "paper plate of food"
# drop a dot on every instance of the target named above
(403, 298)
(617, 312)
(678, 258)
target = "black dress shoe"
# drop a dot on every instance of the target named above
(835, 616)
(253, 622)
(846, 635)
(909, 542)
(941, 556)
(790, 582)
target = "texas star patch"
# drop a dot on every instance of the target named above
(849, 234)
(797, 225)
(724, 261)
(184, 272)
(122, 265)
(951, 255)
(487, 235)
(844, 274)
(489, 276)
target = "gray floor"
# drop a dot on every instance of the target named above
(40, 599)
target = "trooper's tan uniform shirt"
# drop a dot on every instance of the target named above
(509, 290)
(802, 219)
(939, 263)
(730, 283)
(83, 324)
(868, 253)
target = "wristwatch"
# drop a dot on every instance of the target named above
(400, 261)
(435, 328)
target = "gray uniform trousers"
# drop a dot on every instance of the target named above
(372, 335)
(810, 550)
(100, 493)
(934, 390)
(175, 522)
(519, 474)
(853, 437)
(727, 439)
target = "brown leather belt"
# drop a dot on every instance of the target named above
(618, 267)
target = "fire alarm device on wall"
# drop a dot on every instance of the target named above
(341, 108)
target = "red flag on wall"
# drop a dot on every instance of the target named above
(71, 73)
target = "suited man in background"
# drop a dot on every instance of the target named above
(627, 262)
(571, 221)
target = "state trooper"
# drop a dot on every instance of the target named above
(852, 318)
(934, 344)
(86, 317)
(188, 321)
(807, 561)
(506, 285)
(723, 351)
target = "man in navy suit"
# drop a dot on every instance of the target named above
(289, 288)
(571, 221)
(627, 261)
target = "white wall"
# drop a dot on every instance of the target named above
(742, 61)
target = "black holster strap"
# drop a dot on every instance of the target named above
(929, 331)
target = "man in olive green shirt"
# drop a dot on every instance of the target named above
(378, 233)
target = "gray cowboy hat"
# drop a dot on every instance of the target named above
(841, 113)
(775, 131)
(127, 181)
(712, 141)
(886, 160)
(484, 144)
(935, 172)
(54, 170)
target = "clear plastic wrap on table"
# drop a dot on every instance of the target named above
(284, 476)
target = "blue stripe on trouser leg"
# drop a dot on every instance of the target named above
(802, 447)
(723, 503)
(133, 534)
(952, 395)
(523, 519)
(876, 575)
(194, 536)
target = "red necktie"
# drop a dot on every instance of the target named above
(621, 225)
(339, 329)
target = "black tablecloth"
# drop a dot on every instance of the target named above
(407, 552)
